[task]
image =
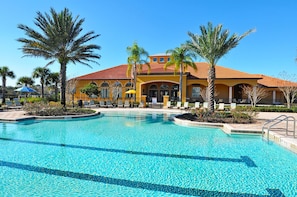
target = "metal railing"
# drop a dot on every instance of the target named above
(270, 123)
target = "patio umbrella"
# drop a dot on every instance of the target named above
(131, 92)
(25, 89)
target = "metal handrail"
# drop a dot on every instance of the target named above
(278, 120)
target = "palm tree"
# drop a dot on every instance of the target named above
(54, 79)
(181, 58)
(136, 61)
(5, 72)
(211, 45)
(43, 74)
(25, 81)
(59, 40)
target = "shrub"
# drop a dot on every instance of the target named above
(219, 117)
(53, 109)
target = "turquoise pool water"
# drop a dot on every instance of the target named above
(139, 154)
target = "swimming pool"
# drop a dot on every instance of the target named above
(138, 154)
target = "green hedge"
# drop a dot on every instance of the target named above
(266, 109)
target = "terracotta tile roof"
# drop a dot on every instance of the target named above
(202, 71)
(119, 72)
(273, 82)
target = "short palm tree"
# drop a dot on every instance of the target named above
(211, 45)
(59, 40)
(5, 72)
(43, 74)
(25, 81)
(137, 58)
(54, 79)
(181, 58)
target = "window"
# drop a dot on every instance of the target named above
(161, 59)
(195, 92)
(104, 90)
(117, 90)
(155, 59)
(168, 59)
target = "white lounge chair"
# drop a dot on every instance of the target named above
(196, 105)
(168, 104)
(186, 105)
(232, 106)
(205, 105)
(221, 107)
(120, 103)
(102, 104)
(178, 105)
(127, 103)
(92, 104)
(141, 105)
(109, 104)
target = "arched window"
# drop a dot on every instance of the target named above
(117, 90)
(153, 87)
(104, 90)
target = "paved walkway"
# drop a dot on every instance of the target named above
(277, 134)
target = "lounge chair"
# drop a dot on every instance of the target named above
(17, 103)
(92, 104)
(221, 107)
(120, 103)
(102, 104)
(168, 104)
(141, 105)
(205, 105)
(10, 105)
(109, 104)
(86, 103)
(127, 103)
(232, 106)
(178, 105)
(196, 105)
(186, 105)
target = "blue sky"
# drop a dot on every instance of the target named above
(159, 25)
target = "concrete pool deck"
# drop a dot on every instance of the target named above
(277, 134)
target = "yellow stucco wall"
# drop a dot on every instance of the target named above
(144, 81)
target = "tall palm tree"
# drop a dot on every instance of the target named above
(54, 80)
(60, 40)
(136, 59)
(25, 81)
(5, 72)
(42, 73)
(211, 45)
(181, 58)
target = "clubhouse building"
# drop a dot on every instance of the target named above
(161, 85)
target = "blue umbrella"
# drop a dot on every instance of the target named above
(25, 89)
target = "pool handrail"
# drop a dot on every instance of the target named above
(278, 120)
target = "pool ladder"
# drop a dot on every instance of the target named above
(270, 123)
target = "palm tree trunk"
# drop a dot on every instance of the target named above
(3, 88)
(42, 90)
(211, 87)
(63, 84)
(134, 75)
(180, 82)
(56, 92)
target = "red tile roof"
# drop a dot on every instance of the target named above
(275, 82)
(119, 72)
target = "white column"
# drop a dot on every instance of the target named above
(230, 94)
(273, 97)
